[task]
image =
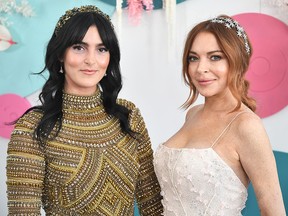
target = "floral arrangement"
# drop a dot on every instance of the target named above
(135, 8)
(13, 6)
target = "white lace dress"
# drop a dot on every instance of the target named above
(198, 182)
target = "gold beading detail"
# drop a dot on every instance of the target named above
(72, 12)
(90, 168)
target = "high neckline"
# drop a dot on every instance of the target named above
(82, 102)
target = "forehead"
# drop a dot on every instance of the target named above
(205, 41)
(92, 35)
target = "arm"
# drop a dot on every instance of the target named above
(258, 161)
(25, 170)
(147, 188)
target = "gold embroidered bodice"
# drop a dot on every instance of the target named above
(90, 168)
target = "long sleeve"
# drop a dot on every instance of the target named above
(25, 169)
(147, 189)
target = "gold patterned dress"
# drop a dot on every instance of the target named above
(90, 168)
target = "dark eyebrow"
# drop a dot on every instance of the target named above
(215, 51)
(85, 44)
(209, 53)
(191, 52)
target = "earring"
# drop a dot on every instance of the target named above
(61, 70)
(105, 74)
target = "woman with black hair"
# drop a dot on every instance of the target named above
(82, 151)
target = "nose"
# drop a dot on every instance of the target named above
(203, 66)
(90, 58)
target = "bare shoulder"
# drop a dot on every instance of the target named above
(248, 123)
(251, 133)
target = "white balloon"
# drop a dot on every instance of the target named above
(5, 38)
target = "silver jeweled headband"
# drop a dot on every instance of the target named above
(230, 23)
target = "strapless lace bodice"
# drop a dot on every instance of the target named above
(197, 182)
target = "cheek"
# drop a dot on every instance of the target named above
(191, 77)
(103, 61)
(71, 61)
(223, 68)
(224, 73)
(191, 71)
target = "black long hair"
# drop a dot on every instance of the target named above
(51, 99)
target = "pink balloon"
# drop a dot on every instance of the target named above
(268, 72)
(12, 106)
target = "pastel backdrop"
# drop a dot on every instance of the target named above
(151, 67)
